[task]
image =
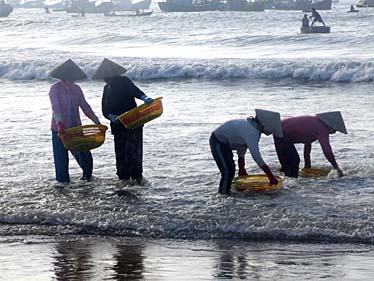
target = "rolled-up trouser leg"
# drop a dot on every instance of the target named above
(288, 157)
(224, 158)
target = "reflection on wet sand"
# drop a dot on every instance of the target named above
(234, 263)
(73, 261)
(231, 265)
(129, 262)
(104, 258)
(82, 260)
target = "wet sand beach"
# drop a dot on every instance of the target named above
(114, 258)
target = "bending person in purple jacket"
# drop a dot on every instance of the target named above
(240, 135)
(66, 99)
(306, 130)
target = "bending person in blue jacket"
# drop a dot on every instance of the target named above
(240, 135)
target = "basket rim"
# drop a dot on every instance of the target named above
(140, 107)
(79, 128)
(257, 186)
(279, 177)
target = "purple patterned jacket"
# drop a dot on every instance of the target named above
(65, 98)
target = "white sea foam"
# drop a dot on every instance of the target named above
(348, 71)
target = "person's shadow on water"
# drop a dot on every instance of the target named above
(129, 262)
(73, 261)
(231, 264)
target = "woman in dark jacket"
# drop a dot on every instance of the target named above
(119, 97)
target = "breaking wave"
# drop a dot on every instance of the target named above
(153, 69)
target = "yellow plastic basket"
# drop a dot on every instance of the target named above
(83, 138)
(314, 172)
(141, 114)
(256, 183)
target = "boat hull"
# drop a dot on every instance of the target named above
(315, 29)
(303, 5)
(5, 10)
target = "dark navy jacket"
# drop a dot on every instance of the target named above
(119, 97)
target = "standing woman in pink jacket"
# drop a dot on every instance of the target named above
(66, 99)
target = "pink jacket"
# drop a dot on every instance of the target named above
(307, 129)
(64, 98)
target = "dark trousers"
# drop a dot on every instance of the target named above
(224, 158)
(128, 146)
(61, 159)
(288, 156)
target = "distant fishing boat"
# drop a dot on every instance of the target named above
(189, 6)
(244, 5)
(5, 9)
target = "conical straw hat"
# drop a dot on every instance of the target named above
(334, 120)
(68, 71)
(271, 122)
(108, 69)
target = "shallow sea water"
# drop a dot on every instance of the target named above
(177, 227)
(224, 238)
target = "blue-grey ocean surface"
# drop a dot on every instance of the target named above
(208, 67)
